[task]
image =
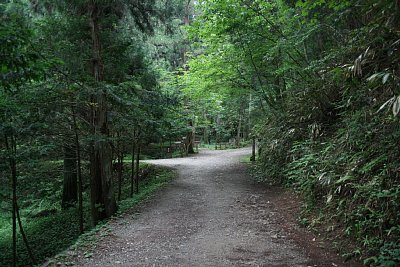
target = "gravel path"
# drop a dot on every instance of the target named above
(213, 214)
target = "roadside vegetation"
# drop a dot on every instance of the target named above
(51, 229)
(323, 82)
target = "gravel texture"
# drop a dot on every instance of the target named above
(213, 214)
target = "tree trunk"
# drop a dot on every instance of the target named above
(205, 130)
(116, 165)
(11, 159)
(103, 202)
(133, 166)
(253, 150)
(189, 142)
(137, 167)
(12, 153)
(21, 230)
(102, 191)
(69, 196)
(239, 130)
(79, 171)
(217, 134)
(120, 160)
(249, 122)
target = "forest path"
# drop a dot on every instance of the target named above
(213, 214)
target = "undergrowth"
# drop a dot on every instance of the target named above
(49, 229)
(350, 182)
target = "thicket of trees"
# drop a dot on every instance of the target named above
(85, 84)
(320, 80)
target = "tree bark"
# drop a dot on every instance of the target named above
(205, 130)
(12, 153)
(79, 172)
(137, 167)
(217, 134)
(12, 163)
(103, 202)
(249, 122)
(239, 130)
(253, 149)
(133, 167)
(120, 160)
(189, 141)
(21, 229)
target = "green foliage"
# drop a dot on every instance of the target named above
(49, 229)
(316, 81)
(18, 61)
(323, 75)
(48, 93)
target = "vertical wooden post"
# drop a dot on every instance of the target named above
(253, 152)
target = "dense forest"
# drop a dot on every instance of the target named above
(88, 88)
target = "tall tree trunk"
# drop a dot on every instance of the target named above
(120, 160)
(69, 196)
(133, 162)
(189, 142)
(21, 230)
(249, 122)
(239, 130)
(103, 202)
(79, 171)
(11, 159)
(217, 134)
(137, 167)
(253, 149)
(12, 153)
(205, 130)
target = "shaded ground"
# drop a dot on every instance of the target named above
(213, 214)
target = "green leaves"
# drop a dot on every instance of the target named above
(18, 63)
(396, 106)
(394, 102)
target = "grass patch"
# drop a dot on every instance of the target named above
(147, 188)
(245, 159)
(207, 146)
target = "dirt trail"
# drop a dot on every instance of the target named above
(213, 214)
